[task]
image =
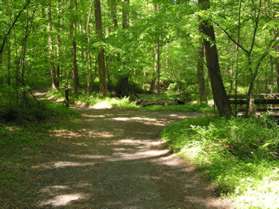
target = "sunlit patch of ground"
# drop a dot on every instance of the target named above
(97, 134)
(62, 164)
(84, 115)
(90, 157)
(177, 116)
(55, 188)
(139, 155)
(138, 142)
(11, 128)
(101, 106)
(64, 200)
(144, 120)
(63, 133)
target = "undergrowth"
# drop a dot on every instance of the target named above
(96, 101)
(204, 108)
(25, 107)
(239, 155)
(107, 102)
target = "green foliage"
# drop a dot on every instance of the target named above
(130, 51)
(239, 155)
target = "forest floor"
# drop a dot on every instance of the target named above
(105, 159)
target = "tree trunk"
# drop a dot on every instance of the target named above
(113, 13)
(277, 69)
(7, 34)
(158, 66)
(9, 52)
(50, 48)
(89, 81)
(125, 13)
(200, 75)
(211, 53)
(75, 76)
(101, 52)
(157, 55)
(58, 49)
(276, 59)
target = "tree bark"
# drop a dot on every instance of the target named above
(101, 52)
(157, 54)
(125, 13)
(58, 49)
(89, 80)
(113, 13)
(277, 69)
(200, 75)
(212, 58)
(9, 53)
(158, 66)
(50, 48)
(75, 76)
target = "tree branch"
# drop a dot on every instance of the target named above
(256, 27)
(6, 36)
(231, 38)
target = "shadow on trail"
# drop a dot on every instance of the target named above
(110, 159)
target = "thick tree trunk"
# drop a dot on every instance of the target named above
(201, 76)
(211, 53)
(101, 52)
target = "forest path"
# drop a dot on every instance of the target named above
(115, 159)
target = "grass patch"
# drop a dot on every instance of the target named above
(95, 100)
(156, 97)
(204, 108)
(99, 102)
(239, 155)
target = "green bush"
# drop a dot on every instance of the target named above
(239, 155)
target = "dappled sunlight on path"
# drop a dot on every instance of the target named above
(114, 159)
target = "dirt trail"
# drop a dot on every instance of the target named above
(114, 159)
